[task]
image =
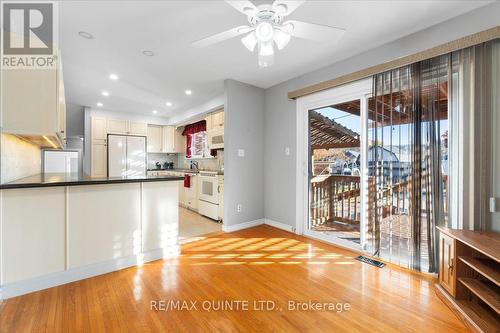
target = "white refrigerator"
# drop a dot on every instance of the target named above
(126, 156)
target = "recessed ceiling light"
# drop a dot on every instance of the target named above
(86, 35)
(99, 104)
(188, 92)
(168, 104)
(105, 93)
(113, 77)
(148, 53)
(155, 111)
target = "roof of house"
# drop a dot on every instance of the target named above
(325, 133)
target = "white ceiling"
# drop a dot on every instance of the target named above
(122, 29)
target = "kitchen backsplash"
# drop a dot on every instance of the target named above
(19, 158)
(181, 162)
(216, 163)
(161, 158)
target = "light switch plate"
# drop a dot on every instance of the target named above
(241, 152)
(494, 205)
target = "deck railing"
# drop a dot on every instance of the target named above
(335, 198)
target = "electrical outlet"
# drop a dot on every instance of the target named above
(239, 208)
(241, 152)
(287, 151)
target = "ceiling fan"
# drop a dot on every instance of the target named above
(268, 27)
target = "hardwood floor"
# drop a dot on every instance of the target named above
(260, 263)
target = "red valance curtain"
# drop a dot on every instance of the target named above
(189, 130)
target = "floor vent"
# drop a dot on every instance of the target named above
(370, 261)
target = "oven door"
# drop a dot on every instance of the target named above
(208, 189)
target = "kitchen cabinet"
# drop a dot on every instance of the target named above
(99, 151)
(137, 128)
(116, 126)
(165, 139)
(191, 193)
(33, 105)
(99, 133)
(126, 127)
(215, 120)
(99, 160)
(154, 139)
(173, 140)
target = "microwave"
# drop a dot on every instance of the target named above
(216, 138)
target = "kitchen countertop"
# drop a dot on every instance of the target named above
(186, 170)
(57, 179)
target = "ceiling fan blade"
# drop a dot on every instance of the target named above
(286, 7)
(317, 32)
(243, 6)
(222, 36)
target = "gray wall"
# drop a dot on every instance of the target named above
(244, 129)
(280, 123)
(75, 115)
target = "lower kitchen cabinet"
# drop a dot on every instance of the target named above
(191, 193)
(99, 160)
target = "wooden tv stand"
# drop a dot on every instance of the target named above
(469, 277)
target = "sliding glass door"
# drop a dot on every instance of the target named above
(336, 127)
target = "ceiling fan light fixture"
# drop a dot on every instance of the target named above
(266, 60)
(250, 41)
(281, 39)
(264, 31)
(266, 54)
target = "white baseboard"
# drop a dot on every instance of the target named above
(75, 274)
(280, 225)
(240, 226)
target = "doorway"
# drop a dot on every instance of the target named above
(332, 145)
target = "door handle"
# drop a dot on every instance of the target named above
(218, 189)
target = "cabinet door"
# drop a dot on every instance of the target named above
(208, 120)
(98, 129)
(447, 263)
(154, 139)
(117, 126)
(29, 101)
(138, 128)
(218, 120)
(99, 160)
(61, 109)
(179, 141)
(168, 139)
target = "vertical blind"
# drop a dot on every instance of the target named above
(407, 162)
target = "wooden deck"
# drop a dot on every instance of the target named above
(261, 263)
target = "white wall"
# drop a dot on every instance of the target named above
(74, 120)
(280, 123)
(243, 129)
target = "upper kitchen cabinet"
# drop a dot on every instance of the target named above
(165, 139)
(137, 128)
(127, 127)
(34, 106)
(215, 120)
(154, 139)
(173, 140)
